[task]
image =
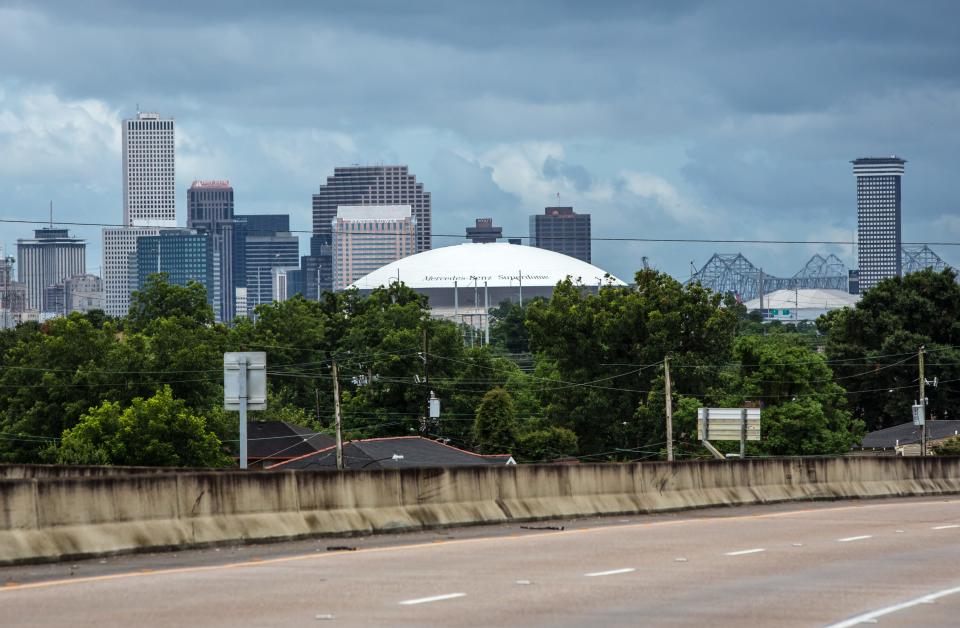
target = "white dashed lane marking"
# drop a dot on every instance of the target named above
(435, 598)
(855, 538)
(612, 572)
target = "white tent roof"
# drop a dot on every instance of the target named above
(807, 298)
(500, 265)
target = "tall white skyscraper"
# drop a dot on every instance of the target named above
(120, 266)
(149, 203)
(149, 198)
(878, 218)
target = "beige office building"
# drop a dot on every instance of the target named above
(367, 237)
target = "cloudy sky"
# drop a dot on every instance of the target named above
(661, 119)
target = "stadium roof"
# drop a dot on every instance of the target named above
(497, 264)
(805, 298)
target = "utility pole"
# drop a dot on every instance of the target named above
(336, 417)
(923, 405)
(669, 406)
(426, 358)
(425, 418)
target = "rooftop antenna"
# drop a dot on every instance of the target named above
(138, 109)
(51, 214)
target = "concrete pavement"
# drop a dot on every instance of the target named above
(786, 565)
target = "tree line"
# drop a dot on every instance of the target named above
(577, 375)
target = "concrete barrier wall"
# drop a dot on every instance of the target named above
(21, 471)
(46, 517)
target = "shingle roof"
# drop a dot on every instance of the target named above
(279, 440)
(384, 453)
(908, 433)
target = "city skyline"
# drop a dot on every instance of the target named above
(657, 134)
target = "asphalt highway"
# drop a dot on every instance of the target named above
(892, 562)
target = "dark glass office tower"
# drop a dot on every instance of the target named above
(878, 218)
(264, 242)
(361, 185)
(210, 210)
(184, 255)
(562, 230)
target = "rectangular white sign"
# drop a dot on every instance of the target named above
(727, 423)
(256, 380)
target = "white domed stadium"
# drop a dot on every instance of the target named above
(466, 279)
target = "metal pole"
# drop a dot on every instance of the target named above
(743, 433)
(669, 407)
(486, 313)
(336, 417)
(520, 280)
(456, 303)
(425, 418)
(243, 413)
(923, 405)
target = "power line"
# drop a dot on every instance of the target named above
(461, 236)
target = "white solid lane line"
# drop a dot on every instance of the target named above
(612, 572)
(855, 538)
(755, 550)
(435, 598)
(871, 617)
(954, 525)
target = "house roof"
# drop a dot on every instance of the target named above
(399, 452)
(908, 434)
(279, 440)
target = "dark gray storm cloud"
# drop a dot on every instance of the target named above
(706, 119)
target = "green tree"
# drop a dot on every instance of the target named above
(508, 327)
(159, 431)
(605, 349)
(546, 443)
(495, 426)
(873, 346)
(949, 447)
(804, 409)
(50, 375)
(161, 299)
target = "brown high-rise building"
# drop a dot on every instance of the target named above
(361, 185)
(484, 232)
(562, 230)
